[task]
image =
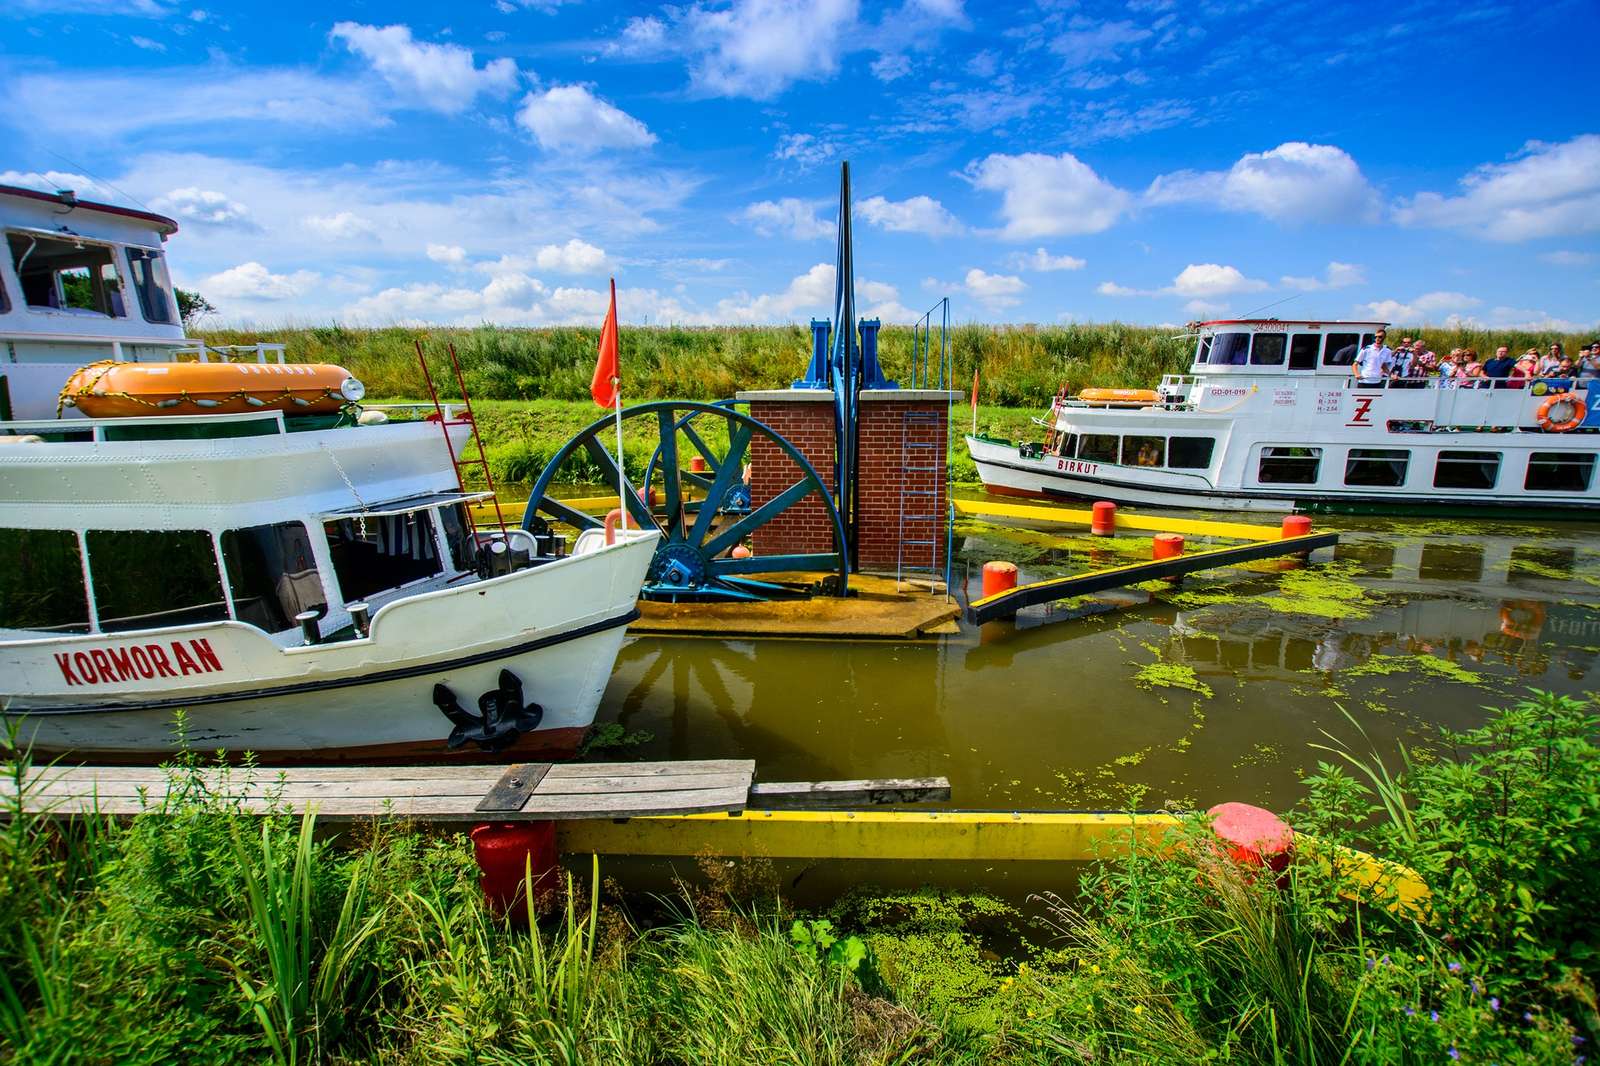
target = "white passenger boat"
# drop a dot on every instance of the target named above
(305, 586)
(1271, 418)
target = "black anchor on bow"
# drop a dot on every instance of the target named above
(502, 716)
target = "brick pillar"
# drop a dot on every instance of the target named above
(803, 417)
(889, 464)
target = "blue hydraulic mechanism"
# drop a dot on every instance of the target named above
(704, 515)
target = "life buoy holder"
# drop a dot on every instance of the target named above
(1136, 397)
(1561, 412)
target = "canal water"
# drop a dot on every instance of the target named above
(1155, 697)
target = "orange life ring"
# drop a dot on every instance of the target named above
(119, 390)
(1575, 419)
(1522, 619)
(1140, 397)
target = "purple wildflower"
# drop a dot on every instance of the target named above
(1454, 1053)
(1384, 960)
(1494, 1002)
(1411, 1012)
(1433, 1015)
(1577, 1040)
(1455, 967)
(1527, 1016)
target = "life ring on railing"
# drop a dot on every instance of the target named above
(1134, 397)
(1562, 412)
(1522, 619)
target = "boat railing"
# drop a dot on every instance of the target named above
(94, 429)
(229, 353)
(451, 410)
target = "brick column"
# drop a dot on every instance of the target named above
(803, 417)
(889, 464)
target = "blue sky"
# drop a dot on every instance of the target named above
(1146, 160)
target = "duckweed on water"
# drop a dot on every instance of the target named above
(1328, 590)
(1430, 665)
(1171, 675)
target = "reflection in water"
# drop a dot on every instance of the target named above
(1071, 704)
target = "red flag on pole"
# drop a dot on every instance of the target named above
(605, 384)
(974, 390)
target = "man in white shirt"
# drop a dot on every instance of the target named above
(1372, 363)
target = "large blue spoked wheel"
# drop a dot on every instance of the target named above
(702, 515)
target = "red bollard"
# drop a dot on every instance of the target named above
(998, 577)
(1253, 836)
(697, 464)
(1103, 519)
(511, 855)
(1296, 525)
(1166, 546)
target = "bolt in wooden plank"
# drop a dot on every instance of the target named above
(511, 792)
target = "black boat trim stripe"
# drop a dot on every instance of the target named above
(1586, 503)
(398, 674)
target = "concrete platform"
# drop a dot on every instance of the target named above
(879, 609)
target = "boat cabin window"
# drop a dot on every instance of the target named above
(1266, 349)
(1067, 445)
(373, 555)
(1383, 468)
(1190, 453)
(41, 585)
(148, 272)
(1100, 447)
(5, 297)
(1466, 470)
(1229, 349)
(1303, 348)
(458, 537)
(67, 274)
(148, 578)
(271, 574)
(1144, 451)
(1340, 348)
(1559, 472)
(1288, 465)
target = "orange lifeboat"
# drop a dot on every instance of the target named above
(1121, 397)
(120, 390)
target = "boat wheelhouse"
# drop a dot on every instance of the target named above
(1271, 418)
(304, 586)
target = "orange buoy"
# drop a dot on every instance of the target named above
(1561, 412)
(1296, 525)
(516, 861)
(1121, 397)
(120, 390)
(999, 576)
(1103, 519)
(1253, 836)
(740, 551)
(1166, 546)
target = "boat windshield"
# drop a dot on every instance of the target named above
(67, 274)
(1224, 349)
(375, 554)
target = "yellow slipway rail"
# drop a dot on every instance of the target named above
(1076, 516)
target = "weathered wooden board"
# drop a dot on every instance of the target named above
(445, 793)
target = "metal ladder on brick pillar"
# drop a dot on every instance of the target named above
(918, 550)
(467, 419)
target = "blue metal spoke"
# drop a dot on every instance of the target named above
(730, 473)
(671, 488)
(733, 534)
(723, 566)
(569, 515)
(608, 472)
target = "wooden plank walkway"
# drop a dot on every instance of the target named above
(432, 793)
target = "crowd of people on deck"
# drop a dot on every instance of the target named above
(1412, 363)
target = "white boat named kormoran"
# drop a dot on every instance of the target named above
(301, 578)
(1271, 418)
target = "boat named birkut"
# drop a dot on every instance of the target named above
(1271, 418)
(243, 542)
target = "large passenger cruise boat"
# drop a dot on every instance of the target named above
(1271, 418)
(243, 542)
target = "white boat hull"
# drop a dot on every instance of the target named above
(557, 628)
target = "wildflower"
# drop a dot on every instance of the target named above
(1477, 988)
(1384, 960)
(1433, 1015)
(1527, 1016)
(1455, 967)
(1454, 1054)
(1095, 968)
(1494, 1002)
(1422, 958)
(1138, 1008)
(1411, 1012)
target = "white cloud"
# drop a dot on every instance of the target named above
(642, 35)
(758, 48)
(807, 294)
(1202, 280)
(790, 216)
(1336, 276)
(1042, 261)
(1048, 196)
(1087, 42)
(891, 67)
(1111, 288)
(147, 44)
(440, 77)
(919, 214)
(252, 281)
(574, 257)
(569, 118)
(1294, 182)
(204, 206)
(994, 290)
(451, 255)
(56, 180)
(1568, 258)
(1551, 190)
(341, 226)
(1431, 308)
(806, 149)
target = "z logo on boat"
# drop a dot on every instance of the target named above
(1363, 412)
(140, 661)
